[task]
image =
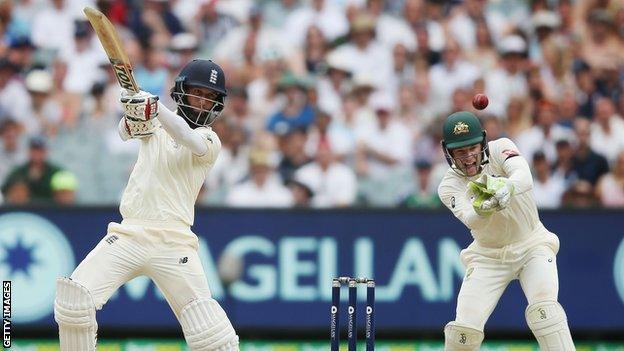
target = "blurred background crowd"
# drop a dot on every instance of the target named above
(330, 102)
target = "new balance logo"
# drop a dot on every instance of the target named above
(184, 260)
(213, 76)
(111, 239)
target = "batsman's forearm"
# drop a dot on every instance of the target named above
(519, 174)
(175, 126)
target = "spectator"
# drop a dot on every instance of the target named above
(568, 109)
(580, 195)
(297, 113)
(556, 70)
(264, 94)
(302, 193)
(263, 189)
(277, 12)
(383, 155)
(365, 54)
(334, 86)
(292, 146)
(14, 99)
(211, 25)
(601, 47)
(64, 185)
(425, 193)
(484, 53)
(45, 113)
(12, 150)
(150, 72)
(82, 63)
(610, 187)
(518, 117)
(545, 133)
(589, 165)
(429, 56)
(415, 13)
(425, 55)
(36, 174)
(607, 130)
(265, 41)
(424, 105)
(544, 23)
(154, 23)
(564, 165)
(508, 80)
(587, 91)
(547, 189)
(359, 102)
(463, 24)
(449, 75)
(493, 127)
(20, 53)
(314, 50)
(232, 166)
(391, 31)
(333, 183)
(53, 27)
(329, 133)
(322, 13)
(17, 193)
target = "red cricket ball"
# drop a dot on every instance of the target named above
(480, 101)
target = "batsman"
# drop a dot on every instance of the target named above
(154, 239)
(489, 188)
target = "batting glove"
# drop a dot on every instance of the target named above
(140, 107)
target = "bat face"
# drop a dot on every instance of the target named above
(113, 46)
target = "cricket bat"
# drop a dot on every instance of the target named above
(114, 50)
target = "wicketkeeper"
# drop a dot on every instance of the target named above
(488, 188)
(155, 238)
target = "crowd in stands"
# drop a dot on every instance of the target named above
(330, 103)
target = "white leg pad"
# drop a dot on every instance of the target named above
(74, 311)
(459, 337)
(549, 324)
(206, 327)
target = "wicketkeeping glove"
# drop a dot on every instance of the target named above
(141, 106)
(502, 189)
(484, 202)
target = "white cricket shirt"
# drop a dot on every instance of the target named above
(166, 179)
(518, 221)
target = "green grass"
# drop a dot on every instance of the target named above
(300, 345)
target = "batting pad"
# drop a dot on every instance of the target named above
(549, 324)
(458, 337)
(206, 327)
(74, 311)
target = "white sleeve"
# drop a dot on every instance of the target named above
(519, 173)
(457, 201)
(515, 166)
(177, 128)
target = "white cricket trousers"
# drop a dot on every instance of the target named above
(489, 271)
(166, 254)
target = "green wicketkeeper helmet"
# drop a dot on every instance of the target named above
(462, 129)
